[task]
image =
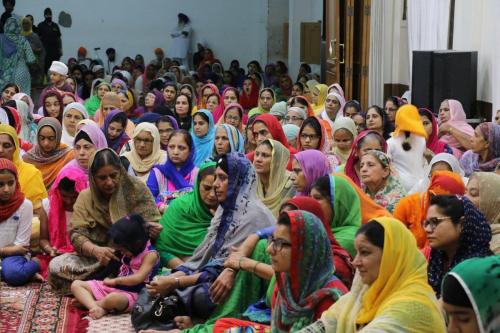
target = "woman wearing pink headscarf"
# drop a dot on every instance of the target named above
(453, 128)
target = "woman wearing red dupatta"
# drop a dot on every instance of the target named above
(272, 130)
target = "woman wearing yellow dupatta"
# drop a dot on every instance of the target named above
(49, 155)
(30, 178)
(319, 98)
(273, 180)
(390, 292)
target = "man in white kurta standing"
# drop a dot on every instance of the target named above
(181, 38)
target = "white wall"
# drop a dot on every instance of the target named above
(476, 28)
(234, 29)
(277, 16)
(301, 11)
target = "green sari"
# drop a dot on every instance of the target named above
(185, 224)
(248, 289)
(346, 212)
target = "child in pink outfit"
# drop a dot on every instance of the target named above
(140, 262)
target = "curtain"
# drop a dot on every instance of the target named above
(427, 25)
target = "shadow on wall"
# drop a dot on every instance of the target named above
(65, 19)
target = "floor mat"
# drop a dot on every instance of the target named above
(111, 324)
(35, 308)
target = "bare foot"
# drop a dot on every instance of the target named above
(97, 312)
(183, 322)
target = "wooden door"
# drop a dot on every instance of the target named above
(348, 45)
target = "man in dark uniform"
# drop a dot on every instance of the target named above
(51, 38)
(9, 8)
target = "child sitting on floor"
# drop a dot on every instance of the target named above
(140, 262)
(16, 214)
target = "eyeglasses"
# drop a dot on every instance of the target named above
(433, 222)
(235, 118)
(293, 118)
(277, 243)
(145, 141)
(311, 137)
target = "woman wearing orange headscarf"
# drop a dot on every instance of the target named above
(412, 209)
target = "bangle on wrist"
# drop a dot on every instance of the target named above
(178, 280)
(239, 262)
(255, 266)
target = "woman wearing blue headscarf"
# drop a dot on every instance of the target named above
(203, 133)
(228, 140)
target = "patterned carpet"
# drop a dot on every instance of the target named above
(35, 308)
(111, 324)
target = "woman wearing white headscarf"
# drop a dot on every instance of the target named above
(334, 107)
(73, 113)
(441, 161)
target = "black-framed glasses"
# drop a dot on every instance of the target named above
(433, 222)
(311, 137)
(277, 243)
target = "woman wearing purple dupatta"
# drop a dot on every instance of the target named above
(114, 129)
(178, 172)
(152, 100)
(88, 139)
(307, 166)
(485, 152)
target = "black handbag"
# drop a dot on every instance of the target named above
(158, 313)
(155, 313)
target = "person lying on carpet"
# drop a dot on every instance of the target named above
(139, 263)
(16, 213)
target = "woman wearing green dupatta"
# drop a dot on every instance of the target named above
(471, 296)
(94, 102)
(345, 205)
(187, 219)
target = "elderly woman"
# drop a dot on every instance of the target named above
(390, 286)
(228, 140)
(113, 194)
(456, 231)
(145, 151)
(364, 142)
(49, 155)
(470, 298)
(240, 214)
(377, 181)
(482, 190)
(295, 116)
(485, 149)
(73, 113)
(453, 128)
(274, 185)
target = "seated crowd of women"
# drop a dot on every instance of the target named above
(281, 209)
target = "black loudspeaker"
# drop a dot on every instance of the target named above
(438, 75)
